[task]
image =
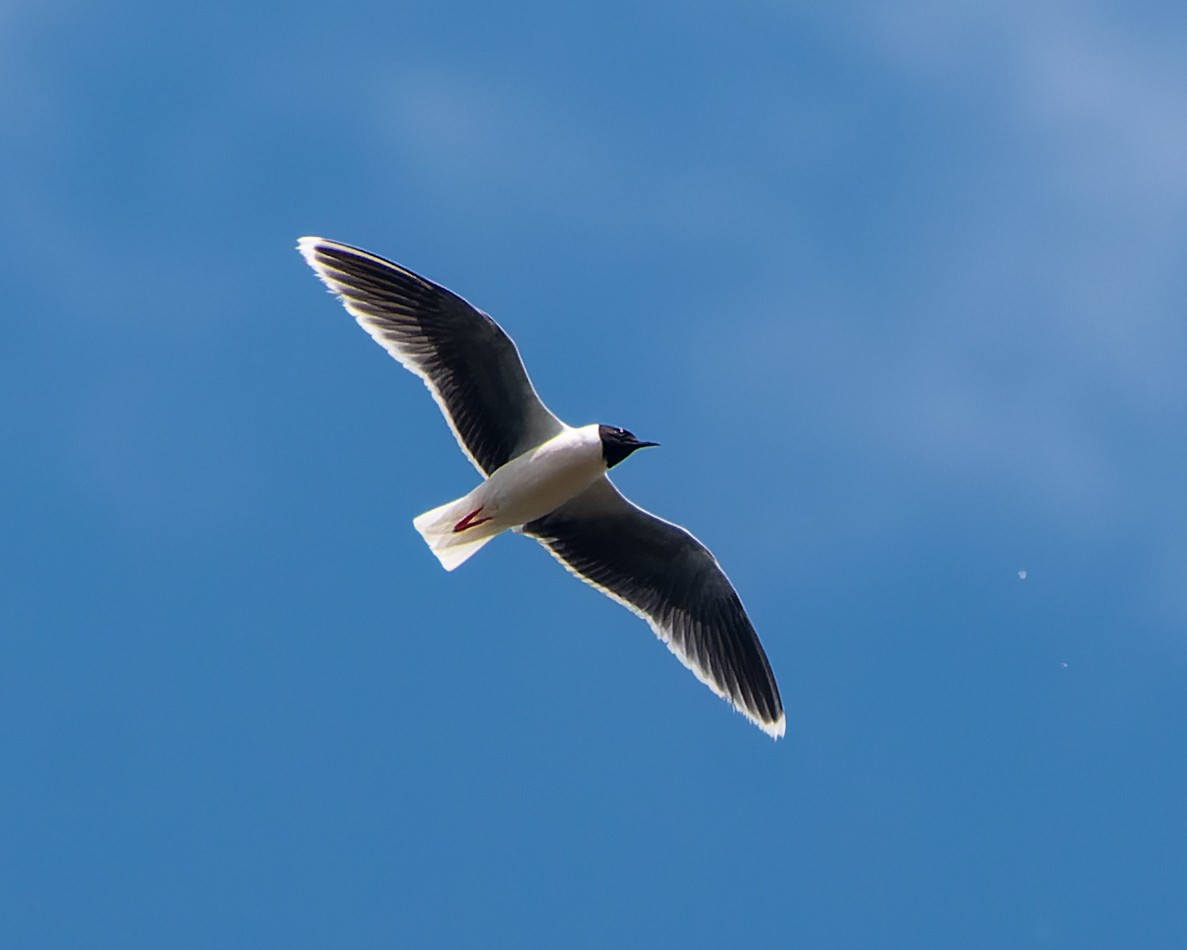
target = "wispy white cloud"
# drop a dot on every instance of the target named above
(1038, 351)
(476, 138)
(1117, 102)
(1101, 105)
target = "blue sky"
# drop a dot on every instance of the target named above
(898, 287)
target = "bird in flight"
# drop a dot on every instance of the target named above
(548, 480)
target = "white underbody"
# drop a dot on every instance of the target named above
(528, 487)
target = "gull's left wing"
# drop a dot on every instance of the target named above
(666, 576)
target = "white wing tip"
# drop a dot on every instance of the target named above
(308, 247)
(776, 729)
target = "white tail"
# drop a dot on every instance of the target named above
(439, 528)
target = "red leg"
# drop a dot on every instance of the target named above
(470, 521)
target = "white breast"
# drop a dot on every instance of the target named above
(544, 478)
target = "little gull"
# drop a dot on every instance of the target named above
(548, 480)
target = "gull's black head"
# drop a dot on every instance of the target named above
(617, 444)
